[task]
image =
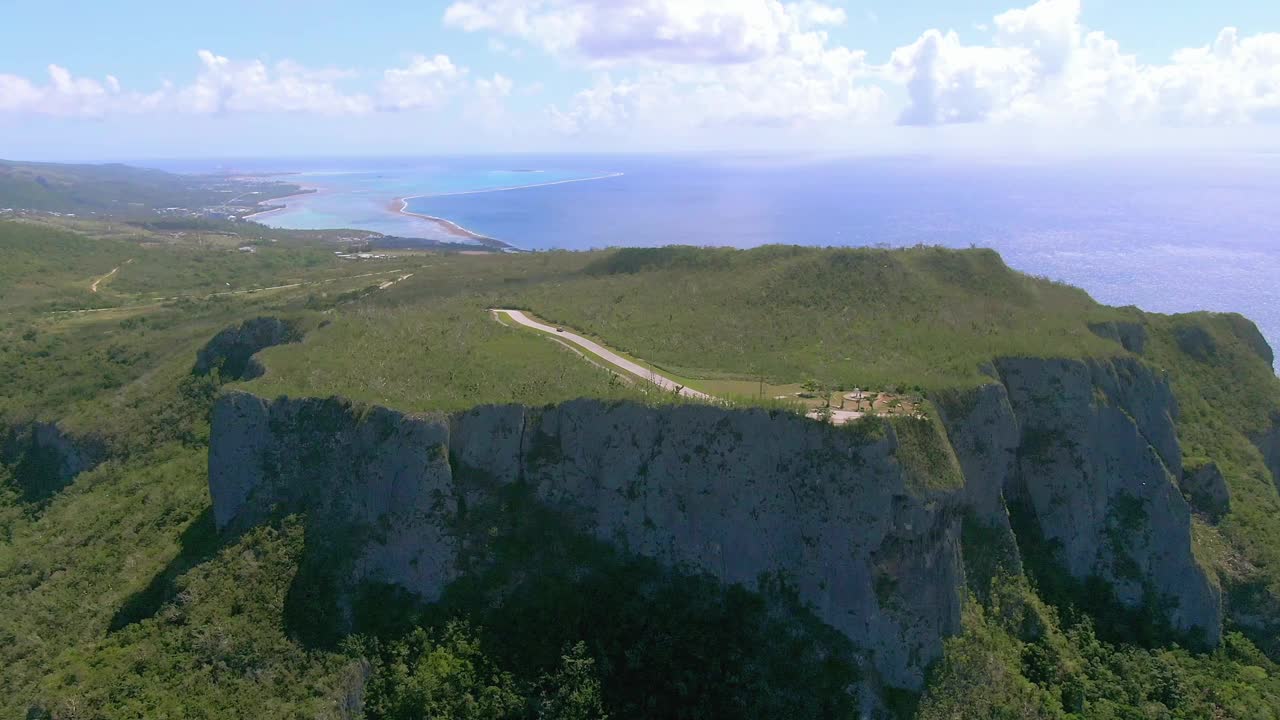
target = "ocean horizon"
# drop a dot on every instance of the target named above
(1171, 234)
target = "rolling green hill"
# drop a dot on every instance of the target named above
(122, 190)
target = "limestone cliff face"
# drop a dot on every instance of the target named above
(1085, 450)
(744, 496)
(1096, 469)
(1268, 444)
(377, 477)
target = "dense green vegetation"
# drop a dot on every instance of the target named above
(1016, 659)
(118, 598)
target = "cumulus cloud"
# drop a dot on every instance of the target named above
(781, 92)
(671, 31)
(225, 85)
(68, 95)
(1043, 65)
(688, 63)
(690, 66)
(424, 83)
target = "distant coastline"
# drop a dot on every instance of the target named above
(303, 190)
(515, 187)
(401, 206)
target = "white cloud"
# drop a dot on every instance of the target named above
(1043, 66)
(67, 95)
(689, 68)
(424, 83)
(669, 31)
(487, 101)
(689, 63)
(225, 85)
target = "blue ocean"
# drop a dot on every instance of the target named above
(1167, 235)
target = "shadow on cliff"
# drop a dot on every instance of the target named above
(198, 543)
(43, 458)
(532, 583)
(1092, 600)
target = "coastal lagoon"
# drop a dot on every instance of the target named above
(1167, 235)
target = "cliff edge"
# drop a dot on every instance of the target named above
(863, 522)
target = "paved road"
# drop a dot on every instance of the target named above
(610, 356)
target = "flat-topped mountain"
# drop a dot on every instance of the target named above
(1027, 490)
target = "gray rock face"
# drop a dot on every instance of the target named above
(984, 434)
(1206, 489)
(1096, 467)
(378, 474)
(1132, 336)
(749, 495)
(231, 351)
(1268, 443)
(743, 496)
(44, 458)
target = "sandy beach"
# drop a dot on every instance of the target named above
(305, 190)
(400, 206)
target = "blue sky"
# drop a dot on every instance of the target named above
(135, 79)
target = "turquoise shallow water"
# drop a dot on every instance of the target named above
(361, 199)
(1165, 234)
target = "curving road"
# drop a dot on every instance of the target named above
(603, 352)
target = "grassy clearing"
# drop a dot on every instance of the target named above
(446, 357)
(719, 321)
(862, 317)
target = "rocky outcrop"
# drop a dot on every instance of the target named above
(232, 351)
(846, 516)
(983, 432)
(43, 458)
(1206, 490)
(1096, 470)
(1132, 336)
(1246, 331)
(1268, 443)
(745, 496)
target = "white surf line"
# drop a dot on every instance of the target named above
(599, 350)
(513, 187)
(450, 226)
